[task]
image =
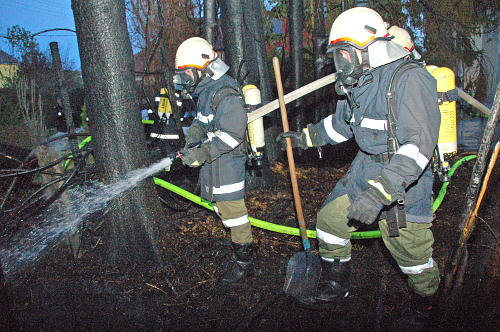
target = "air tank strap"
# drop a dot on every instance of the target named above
(448, 96)
(396, 215)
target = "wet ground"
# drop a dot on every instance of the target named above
(61, 293)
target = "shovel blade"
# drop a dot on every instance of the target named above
(302, 275)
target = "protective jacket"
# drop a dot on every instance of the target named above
(417, 130)
(222, 177)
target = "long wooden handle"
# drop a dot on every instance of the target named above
(289, 97)
(319, 83)
(473, 102)
(289, 153)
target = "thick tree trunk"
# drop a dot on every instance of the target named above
(296, 23)
(115, 125)
(255, 41)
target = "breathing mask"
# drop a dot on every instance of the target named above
(189, 83)
(349, 69)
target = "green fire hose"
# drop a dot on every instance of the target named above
(286, 229)
(442, 192)
(292, 230)
(255, 222)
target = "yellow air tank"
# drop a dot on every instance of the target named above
(447, 142)
(252, 99)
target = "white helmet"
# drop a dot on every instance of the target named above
(358, 27)
(197, 54)
(403, 38)
(363, 29)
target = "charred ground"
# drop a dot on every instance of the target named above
(59, 292)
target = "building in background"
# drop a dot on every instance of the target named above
(8, 67)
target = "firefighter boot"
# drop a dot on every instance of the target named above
(242, 263)
(336, 281)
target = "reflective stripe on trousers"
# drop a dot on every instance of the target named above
(412, 250)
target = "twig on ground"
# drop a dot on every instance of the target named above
(158, 288)
(489, 227)
(199, 283)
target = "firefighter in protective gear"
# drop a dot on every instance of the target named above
(220, 124)
(366, 58)
(402, 37)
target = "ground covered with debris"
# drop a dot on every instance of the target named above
(62, 293)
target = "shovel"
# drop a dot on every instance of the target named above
(304, 268)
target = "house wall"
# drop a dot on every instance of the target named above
(6, 71)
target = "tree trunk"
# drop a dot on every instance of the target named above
(232, 32)
(245, 53)
(210, 20)
(255, 47)
(63, 92)
(320, 41)
(296, 24)
(115, 125)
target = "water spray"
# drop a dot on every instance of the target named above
(62, 218)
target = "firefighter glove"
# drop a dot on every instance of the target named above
(300, 139)
(194, 157)
(366, 207)
(195, 133)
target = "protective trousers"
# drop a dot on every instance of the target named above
(412, 250)
(234, 215)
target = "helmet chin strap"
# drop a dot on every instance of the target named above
(365, 60)
(197, 77)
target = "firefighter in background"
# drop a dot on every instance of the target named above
(403, 38)
(220, 124)
(145, 112)
(58, 118)
(377, 182)
(447, 97)
(163, 133)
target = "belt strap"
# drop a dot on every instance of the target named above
(381, 157)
